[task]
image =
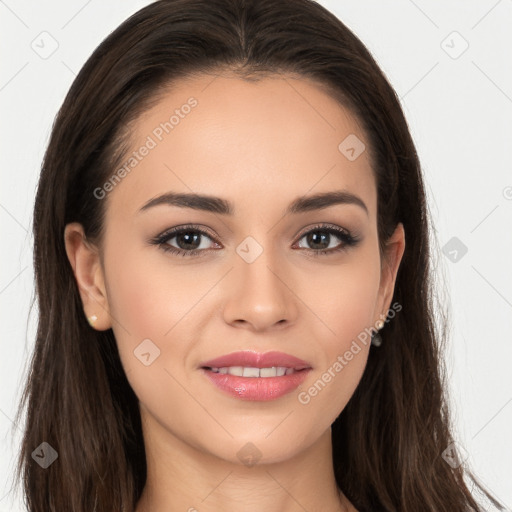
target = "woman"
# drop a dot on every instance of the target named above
(232, 264)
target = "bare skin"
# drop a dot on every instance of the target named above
(260, 146)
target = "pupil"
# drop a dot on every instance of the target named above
(313, 240)
(187, 236)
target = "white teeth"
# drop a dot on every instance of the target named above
(268, 372)
(240, 371)
(236, 370)
(251, 372)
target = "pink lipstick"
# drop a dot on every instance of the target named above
(251, 375)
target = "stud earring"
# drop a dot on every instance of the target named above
(376, 339)
(92, 320)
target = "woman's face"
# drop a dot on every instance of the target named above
(259, 281)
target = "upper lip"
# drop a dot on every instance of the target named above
(250, 359)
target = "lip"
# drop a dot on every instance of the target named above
(253, 359)
(257, 388)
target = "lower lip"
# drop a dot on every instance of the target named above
(257, 388)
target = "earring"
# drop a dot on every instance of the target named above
(376, 339)
(92, 320)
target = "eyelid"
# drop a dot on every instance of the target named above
(323, 225)
(184, 227)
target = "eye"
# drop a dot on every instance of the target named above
(190, 240)
(320, 238)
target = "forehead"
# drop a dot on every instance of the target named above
(255, 143)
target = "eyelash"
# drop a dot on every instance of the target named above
(348, 240)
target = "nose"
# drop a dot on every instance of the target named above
(259, 295)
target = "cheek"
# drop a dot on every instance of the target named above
(146, 299)
(146, 302)
(345, 301)
(343, 355)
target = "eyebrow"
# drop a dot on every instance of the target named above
(224, 207)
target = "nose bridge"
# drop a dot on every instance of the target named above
(258, 267)
(258, 294)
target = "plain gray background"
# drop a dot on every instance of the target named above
(450, 62)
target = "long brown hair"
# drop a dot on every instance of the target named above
(389, 440)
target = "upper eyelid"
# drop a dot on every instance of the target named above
(172, 232)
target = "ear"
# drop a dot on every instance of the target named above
(392, 257)
(86, 264)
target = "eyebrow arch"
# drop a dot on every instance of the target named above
(222, 206)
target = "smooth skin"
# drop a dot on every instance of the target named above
(259, 145)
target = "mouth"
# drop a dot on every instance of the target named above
(249, 375)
